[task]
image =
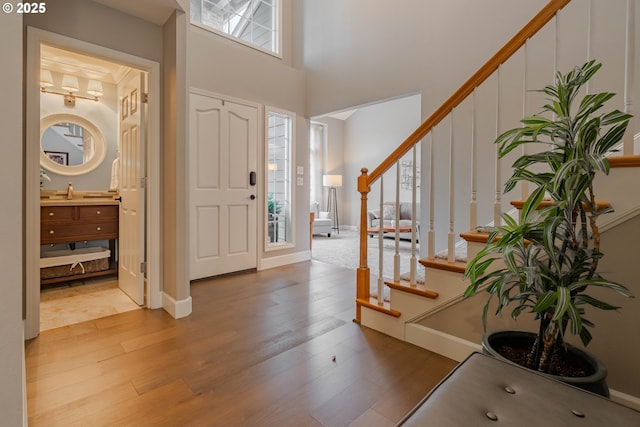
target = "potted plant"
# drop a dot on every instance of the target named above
(273, 210)
(551, 253)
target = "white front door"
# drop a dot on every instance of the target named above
(132, 172)
(223, 207)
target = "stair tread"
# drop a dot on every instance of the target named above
(518, 204)
(475, 236)
(443, 264)
(417, 289)
(372, 303)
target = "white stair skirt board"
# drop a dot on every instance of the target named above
(177, 309)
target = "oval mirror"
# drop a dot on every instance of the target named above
(70, 145)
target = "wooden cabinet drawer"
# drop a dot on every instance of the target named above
(69, 224)
(56, 213)
(63, 233)
(98, 212)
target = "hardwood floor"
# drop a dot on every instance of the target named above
(258, 350)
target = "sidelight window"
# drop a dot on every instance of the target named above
(279, 175)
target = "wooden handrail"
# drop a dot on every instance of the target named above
(510, 48)
(625, 161)
(365, 180)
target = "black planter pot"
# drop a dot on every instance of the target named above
(595, 382)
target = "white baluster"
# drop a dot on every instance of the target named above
(524, 189)
(497, 205)
(473, 205)
(589, 27)
(452, 183)
(628, 147)
(380, 244)
(396, 223)
(413, 262)
(431, 249)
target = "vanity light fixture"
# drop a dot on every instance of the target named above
(46, 80)
(95, 88)
(70, 85)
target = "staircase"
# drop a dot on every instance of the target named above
(462, 180)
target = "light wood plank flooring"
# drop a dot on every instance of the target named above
(258, 350)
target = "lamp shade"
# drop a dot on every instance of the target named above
(95, 88)
(332, 180)
(70, 83)
(46, 80)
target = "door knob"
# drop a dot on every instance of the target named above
(252, 197)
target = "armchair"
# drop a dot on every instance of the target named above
(321, 221)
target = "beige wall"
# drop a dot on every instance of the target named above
(616, 337)
(101, 25)
(175, 259)
(379, 50)
(11, 252)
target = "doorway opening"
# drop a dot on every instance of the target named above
(98, 211)
(341, 144)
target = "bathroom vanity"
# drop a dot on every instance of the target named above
(81, 219)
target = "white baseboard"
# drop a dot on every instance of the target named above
(279, 261)
(625, 399)
(439, 342)
(177, 309)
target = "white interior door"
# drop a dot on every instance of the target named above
(223, 206)
(132, 172)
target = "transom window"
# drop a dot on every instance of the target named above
(254, 22)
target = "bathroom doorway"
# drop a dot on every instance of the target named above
(97, 77)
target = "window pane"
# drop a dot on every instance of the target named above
(279, 178)
(253, 21)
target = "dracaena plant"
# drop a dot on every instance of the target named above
(551, 253)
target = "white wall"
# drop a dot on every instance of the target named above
(12, 387)
(370, 135)
(333, 163)
(379, 49)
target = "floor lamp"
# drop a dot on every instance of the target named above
(333, 181)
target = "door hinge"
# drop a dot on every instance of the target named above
(144, 98)
(143, 267)
(143, 183)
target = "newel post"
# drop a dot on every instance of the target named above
(362, 273)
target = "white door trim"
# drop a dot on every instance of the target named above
(35, 37)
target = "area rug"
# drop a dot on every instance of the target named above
(343, 249)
